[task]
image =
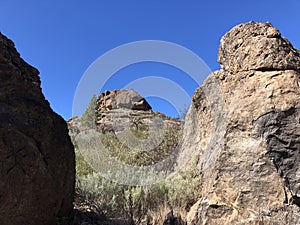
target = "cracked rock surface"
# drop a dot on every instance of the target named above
(245, 122)
(256, 46)
(36, 155)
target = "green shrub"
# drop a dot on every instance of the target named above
(141, 157)
(82, 167)
(128, 203)
(105, 196)
(133, 204)
(88, 118)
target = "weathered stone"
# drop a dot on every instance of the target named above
(122, 99)
(281, 129)
(256, 46)
(74, 124)
(36, 154)
(244, 126)
(120, 109)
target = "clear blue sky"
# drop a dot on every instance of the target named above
(62, 38)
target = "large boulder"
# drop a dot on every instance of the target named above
(244, 124)
(36, 154)
(256, 46)
(122, 99)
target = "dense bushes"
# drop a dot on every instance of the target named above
(132, 204)
(136, 205)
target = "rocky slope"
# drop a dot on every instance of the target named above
(36, 154)
(244, 124)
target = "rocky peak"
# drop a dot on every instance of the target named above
(256, 46)
(118, 109)
(121, 99)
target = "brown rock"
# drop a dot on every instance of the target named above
(36, 154)
(256, 46)
(244, 125)
(122, 99)
(74, 124)
(118, 109)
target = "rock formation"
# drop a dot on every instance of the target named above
(125, 119)
(126, 99)
(118, 109)
(244, 124)
(36, 154)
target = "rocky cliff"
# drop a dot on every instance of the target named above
(36, 154)
(244, 124)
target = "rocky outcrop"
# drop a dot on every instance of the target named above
(120, 109)
(36, 154)
(128, 129)
(74, 124)
(126, 99)
(244, 124)
(256, 46)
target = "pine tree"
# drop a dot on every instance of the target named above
(88, 118)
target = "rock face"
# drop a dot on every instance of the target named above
(36, 154)
(119, 109)
(256, 46)
(244, 124)
(126, 99)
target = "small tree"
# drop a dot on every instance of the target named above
(88, 118)
(183, 111)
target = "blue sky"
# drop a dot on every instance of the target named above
(63, 38)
